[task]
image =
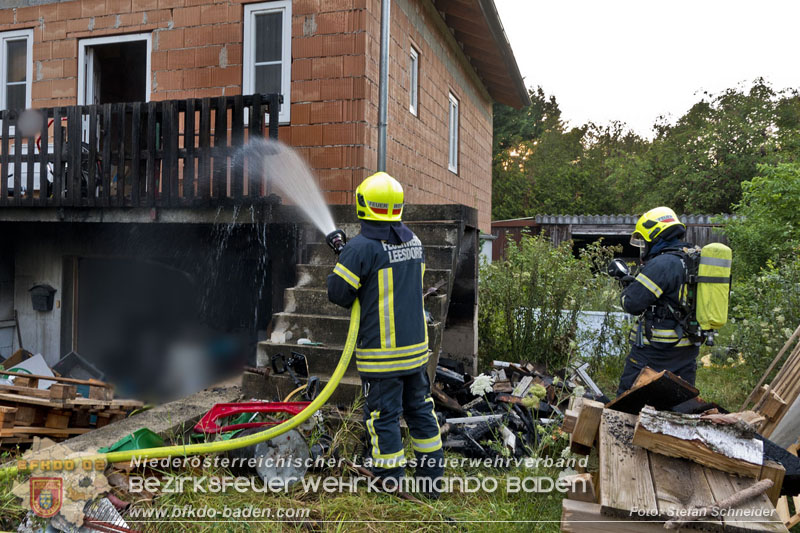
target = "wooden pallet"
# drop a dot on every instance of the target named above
(638, 489)
(27, 411)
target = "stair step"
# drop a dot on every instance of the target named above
(322, 360)
(277, 387)
(309, 301)
(316, 276)
(436, 256)
(314, 301)
(330, 330)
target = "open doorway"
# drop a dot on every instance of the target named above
(114, 69)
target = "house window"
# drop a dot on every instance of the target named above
(413, 75)
(267, 51)
(15, 69)
(452, 158)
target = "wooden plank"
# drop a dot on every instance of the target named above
(151, 144)
(30, 168)
(625, 480)
(57, 419)
(170, 159)
(17, 162)
(4, 159)
(91, 182)
(645, 376)
(661, 391)
(570, 418)
(105, 193)
(26, 380)
(58, 166)
(220, 150)
(26, 391)
(711, 452)
(74, 157)
(29, 430)
(776, 472)
(29, 400)
(136, 154)
(580, 487)
(237, 140)
(757, 389)
(121, 130)
(204, 164)
(723, 486)
(585, 517)
(44, 155)
(60, 391)
(680, 485)
(188, 145)
(256, 131)
(7, 416)
(772, 405)
(88, 403)
(58, 379)
(585, 432)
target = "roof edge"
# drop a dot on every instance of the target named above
(489, 10)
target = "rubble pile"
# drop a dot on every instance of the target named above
(481, 415)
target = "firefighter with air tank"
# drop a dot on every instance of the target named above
(384, 267)
(680, 296)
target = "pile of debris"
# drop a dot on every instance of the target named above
(506, 405)
(665, 455)
(35, 402)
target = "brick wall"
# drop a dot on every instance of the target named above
(417, 146)
(197, 52)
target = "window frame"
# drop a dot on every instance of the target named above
(453, 130)
(16, 35)
(413, 80)
(85, 43)
(249, 45)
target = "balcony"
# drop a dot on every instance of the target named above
(167, 154)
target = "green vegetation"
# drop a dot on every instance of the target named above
(531, 300)
(695, 165)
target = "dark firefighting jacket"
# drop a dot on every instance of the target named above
(387, 279)
(654, 296)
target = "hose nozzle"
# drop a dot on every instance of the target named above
(336, 240)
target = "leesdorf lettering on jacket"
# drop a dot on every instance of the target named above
(404, 252)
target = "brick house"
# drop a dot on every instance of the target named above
(449, 61)
(146, 218)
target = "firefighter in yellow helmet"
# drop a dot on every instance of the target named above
(653, 295)
(384, 267)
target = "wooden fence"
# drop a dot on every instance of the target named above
(169, 154)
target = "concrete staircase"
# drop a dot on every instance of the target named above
(307, 313)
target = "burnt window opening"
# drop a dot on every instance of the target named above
(116, 72)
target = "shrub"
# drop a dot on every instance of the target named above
(765, 310)
(770, 225)
(530, 304)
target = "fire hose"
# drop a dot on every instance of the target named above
(241, 442)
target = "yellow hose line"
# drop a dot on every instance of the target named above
(241, 442)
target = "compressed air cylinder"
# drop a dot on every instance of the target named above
(713, 286)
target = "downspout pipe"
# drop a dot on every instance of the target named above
(383, 84)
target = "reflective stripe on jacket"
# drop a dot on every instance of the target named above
(658, 284)
(392, 336)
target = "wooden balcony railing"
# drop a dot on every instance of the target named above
(171, 153)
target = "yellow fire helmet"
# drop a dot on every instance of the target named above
(653, 224)
(380, 198)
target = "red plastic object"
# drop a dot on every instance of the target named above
(208, 424)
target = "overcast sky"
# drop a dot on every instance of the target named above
(633, 60)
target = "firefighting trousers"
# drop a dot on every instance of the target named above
(386, 400)
(680, 361)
